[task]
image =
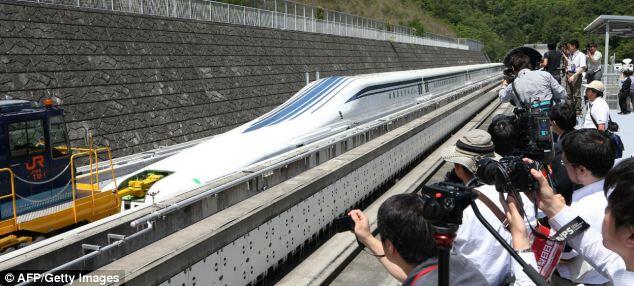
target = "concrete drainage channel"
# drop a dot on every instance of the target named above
(335, 261)
(253, 239)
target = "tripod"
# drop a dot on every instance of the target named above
(445, 235)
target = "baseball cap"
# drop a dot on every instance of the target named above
(470, 147)
(596, 85)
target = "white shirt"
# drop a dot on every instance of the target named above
(577, 60)
(589, 244)
(533, 85)
(589, 203)
(600, 111)
(596, 65)
(475, 242)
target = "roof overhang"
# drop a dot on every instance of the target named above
(620, 26)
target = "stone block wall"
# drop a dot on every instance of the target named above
(139, 82)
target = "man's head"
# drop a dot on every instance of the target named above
(406, 235)
(592, 47)
(468, 149)
(504, 134)
(519, 61)
(588, 155)
(552, 46)
(573, 45)
(618, 223)
(563, 118)
(594, 89)
(628, 72)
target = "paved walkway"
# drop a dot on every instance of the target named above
(626, 131)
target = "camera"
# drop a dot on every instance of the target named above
(509, 76)
(525, 134)
(445, 202)
(343, 224)
(510, 174)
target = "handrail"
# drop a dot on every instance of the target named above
(94, 167)
(341, 24)
(15, 211)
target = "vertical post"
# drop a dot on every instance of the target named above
(191, 10)
(304, 9)
(317, 75)
(111, 4)
(140, 7)
(286, 15)
(607, 45)
(275, 25)
(307, 75)
(295, 15)
(244, 15)
(210, 8)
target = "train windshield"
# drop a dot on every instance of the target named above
(26, 138)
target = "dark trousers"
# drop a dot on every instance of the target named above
(623, 98)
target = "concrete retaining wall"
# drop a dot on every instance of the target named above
(139, 82)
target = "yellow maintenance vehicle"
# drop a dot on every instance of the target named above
(40, 192)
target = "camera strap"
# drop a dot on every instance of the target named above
(516, 96)
(576, 226)
(494, 209)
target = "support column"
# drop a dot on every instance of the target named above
(607, 44)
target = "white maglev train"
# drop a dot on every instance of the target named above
(320, 109)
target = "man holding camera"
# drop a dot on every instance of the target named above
(609, 251)
(407, 248)
(595, 71)
(530, 85)
(472, 239)
(588, 155)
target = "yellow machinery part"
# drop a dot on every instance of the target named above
(13, 240)
(138, 188)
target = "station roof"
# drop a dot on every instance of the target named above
(620, 26)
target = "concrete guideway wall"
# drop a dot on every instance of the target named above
(241, 244)
(140, 82)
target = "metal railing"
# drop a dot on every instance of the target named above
(284, 15)
(12, 196)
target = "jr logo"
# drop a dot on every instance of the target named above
(37, 162)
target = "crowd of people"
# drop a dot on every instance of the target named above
(583, 188)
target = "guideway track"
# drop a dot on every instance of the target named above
(341, 261)
(247, 241)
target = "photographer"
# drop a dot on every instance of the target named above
(472, 239)
(598, 112)
(610, 251)
(594, 57)
(588, 155)
(407, 245)
(563, 120)
(530, 85)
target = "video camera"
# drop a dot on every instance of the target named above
(445, 202)
(524, 134)
(509, 174)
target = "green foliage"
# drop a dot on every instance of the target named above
(504, 24)
(419, 28)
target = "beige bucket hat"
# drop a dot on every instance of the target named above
(472, 146)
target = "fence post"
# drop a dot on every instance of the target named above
(141, 7)
(286, 15)
(295, 15)
(275, 15)
(244, 15)
(191, 10)
(210, 8)
(304, 8)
